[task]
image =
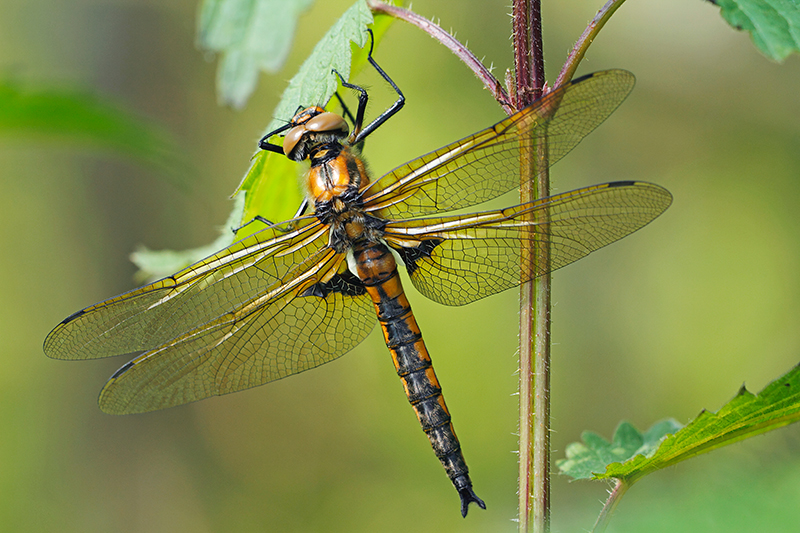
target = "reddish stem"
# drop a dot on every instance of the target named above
(463, 53)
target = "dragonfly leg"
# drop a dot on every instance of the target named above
(345, 109)
(264, 143)
(284, 229)
(358, 135)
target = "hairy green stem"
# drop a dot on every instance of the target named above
(534, 332)
(611, 503)
(579, 49)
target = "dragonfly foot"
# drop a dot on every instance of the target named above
(468, 496)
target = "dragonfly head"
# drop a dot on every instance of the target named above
(311, 128)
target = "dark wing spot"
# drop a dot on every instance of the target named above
(345, 283)
(410, 256)
(73, 316)
(122, 370)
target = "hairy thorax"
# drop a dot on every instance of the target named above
(335, 181)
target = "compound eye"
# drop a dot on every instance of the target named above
(292, 138)
(327, 122)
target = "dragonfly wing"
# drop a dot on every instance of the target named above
(267, 339)
(456, 260)
(152, 315)
(485, 165)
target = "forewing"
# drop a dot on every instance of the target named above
(272, 337)
(485, 165)
(456, 260)
(152, 315)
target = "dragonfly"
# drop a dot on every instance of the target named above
(299, 294)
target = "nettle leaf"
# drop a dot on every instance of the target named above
(251, 36)
(596, 453)
(774, 25)
(666, 444)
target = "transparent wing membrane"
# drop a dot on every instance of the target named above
(241, 350)
(478, 255)
(485, 165)
(154, 314)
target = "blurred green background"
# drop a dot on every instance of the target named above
(668, 322)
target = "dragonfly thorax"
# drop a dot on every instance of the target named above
(336, 177)
(348, 222)
(335, 170)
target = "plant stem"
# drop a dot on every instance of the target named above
(534, 332)
(586, 38)
(611, 503)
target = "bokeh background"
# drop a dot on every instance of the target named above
(668, 322)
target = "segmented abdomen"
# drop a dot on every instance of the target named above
(377, 269)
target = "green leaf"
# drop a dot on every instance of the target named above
(746, 415)
(250, 35)
(595, 453)
(271, 188)
(60, 116)
(774, 25)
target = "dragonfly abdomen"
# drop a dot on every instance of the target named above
(377, 269)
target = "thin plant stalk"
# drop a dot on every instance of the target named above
(534, 322)
(611, 503)
(587, 37)
(535, 301)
